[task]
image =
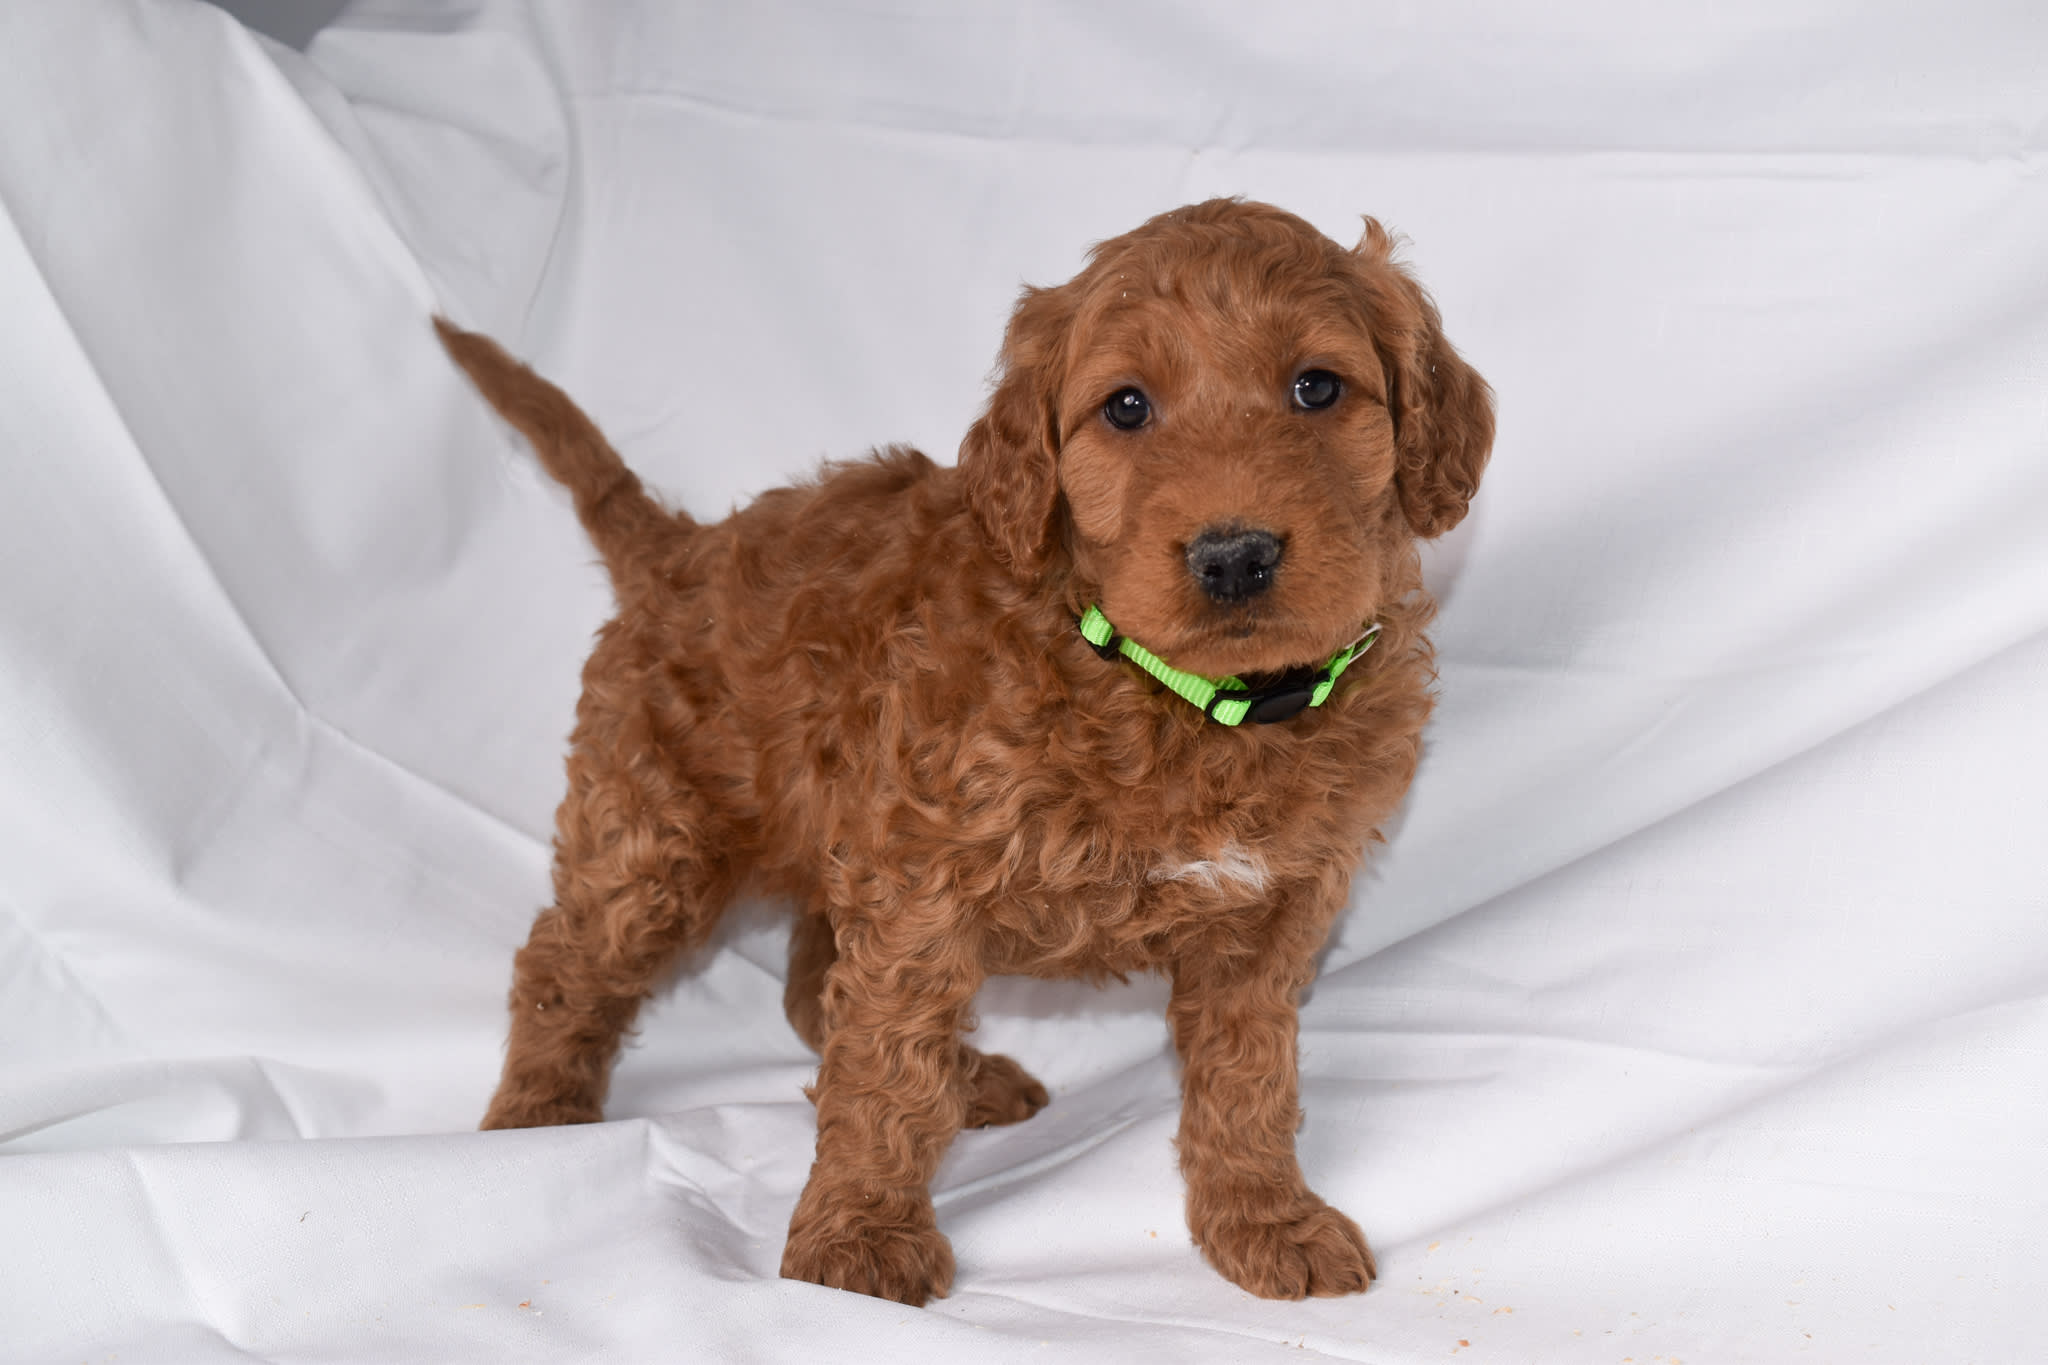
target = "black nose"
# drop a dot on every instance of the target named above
(1234, 566)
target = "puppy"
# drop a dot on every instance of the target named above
(1129, 688)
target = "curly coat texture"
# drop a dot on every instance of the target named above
(866, 694)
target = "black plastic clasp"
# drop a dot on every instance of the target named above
(1281, 703)
(1275, 702)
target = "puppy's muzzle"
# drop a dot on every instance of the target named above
(1234, 566)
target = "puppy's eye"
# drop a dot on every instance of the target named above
(1316, 389)
(1127, 410)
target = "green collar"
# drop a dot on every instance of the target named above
(1230, 701)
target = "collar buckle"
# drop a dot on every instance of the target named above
(1282, 701)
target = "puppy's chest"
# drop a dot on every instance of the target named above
(1121, 883)
(1126, 905)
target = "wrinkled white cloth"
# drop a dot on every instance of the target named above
(1694, 1010)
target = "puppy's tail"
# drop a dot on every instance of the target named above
(617, 512)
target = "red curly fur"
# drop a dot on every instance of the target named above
(866, 694)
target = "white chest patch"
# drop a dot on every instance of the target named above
(1232, 869)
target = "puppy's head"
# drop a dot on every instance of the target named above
(1227, 430)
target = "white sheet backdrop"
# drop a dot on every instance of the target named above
(1696, 1010)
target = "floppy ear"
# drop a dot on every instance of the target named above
(1009, 458)
(1442, 409)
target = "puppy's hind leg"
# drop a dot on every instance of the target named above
(640, 879)
(997, 1089)
(812, 951)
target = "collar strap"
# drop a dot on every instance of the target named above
(1230, 701)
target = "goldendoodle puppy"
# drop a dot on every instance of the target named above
(1129, 688)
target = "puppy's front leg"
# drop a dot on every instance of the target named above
(1250, 1211)
(890, 1099)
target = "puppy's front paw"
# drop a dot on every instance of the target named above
(1312, 1250)
(520, 1111)
(909, 1264)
